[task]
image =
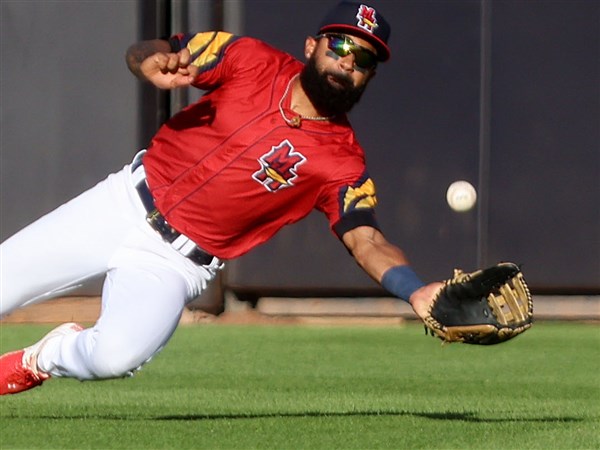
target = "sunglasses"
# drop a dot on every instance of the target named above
(342, 46)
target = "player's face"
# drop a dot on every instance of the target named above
(337, 71)
(354, 53)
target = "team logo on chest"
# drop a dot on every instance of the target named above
(278, 167)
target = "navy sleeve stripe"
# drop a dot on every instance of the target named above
(354, 219)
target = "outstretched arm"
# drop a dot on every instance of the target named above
(388, 265)
(154, 61)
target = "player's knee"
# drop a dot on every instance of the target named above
(106, 366)
(105, 369)
(112, 360)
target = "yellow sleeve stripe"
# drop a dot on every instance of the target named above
(206, 48)
(362, 196)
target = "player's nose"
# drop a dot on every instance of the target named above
(347, 62)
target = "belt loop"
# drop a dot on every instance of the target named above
(180, 242)
(138, 173)
(188, 247)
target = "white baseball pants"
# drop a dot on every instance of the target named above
(147, 284)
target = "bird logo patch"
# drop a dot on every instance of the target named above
(367, 19)
(278, 167)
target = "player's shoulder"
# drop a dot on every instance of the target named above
(221, 40)
(252, 60)
(256, 48)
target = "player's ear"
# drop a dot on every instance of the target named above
(310, 44)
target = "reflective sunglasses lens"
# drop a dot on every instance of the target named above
(338, 44)
(364, 59)
(343, 46)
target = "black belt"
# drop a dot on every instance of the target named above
(155, 219)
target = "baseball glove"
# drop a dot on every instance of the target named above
(484, 307)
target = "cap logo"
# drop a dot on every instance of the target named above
(366, 18)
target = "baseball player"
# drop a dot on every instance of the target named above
(268, 143)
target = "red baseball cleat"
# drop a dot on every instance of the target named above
(18, 369)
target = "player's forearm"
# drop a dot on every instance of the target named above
(139, 51)
(376, 256)
(373, 253)
(386, 264)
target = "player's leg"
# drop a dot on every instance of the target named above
(143, 297)
(140, 310)
(144, 294)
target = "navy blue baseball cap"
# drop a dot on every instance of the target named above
(361, 20)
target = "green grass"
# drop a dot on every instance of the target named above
(300, 387)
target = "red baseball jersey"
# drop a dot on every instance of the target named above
(229, 172)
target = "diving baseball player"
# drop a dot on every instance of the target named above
(268, 143)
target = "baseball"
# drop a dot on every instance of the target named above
(461, 196)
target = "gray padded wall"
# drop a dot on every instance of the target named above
(545, 137)
(70, 114)
(69, 104)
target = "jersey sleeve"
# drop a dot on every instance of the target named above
(207, 50)
(222, 57)
(351, 205)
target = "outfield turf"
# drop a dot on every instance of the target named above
(302, 387)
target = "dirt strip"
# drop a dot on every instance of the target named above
(379, 311)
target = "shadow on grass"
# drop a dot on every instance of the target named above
(449, 416)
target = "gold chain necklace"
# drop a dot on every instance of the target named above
(296, 121)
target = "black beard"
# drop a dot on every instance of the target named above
(329, 100)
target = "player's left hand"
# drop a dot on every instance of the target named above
(422, 298)
(484, 307)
